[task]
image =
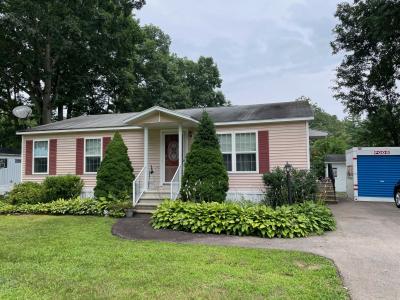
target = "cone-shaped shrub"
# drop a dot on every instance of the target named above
(115, 175)
(205, 177)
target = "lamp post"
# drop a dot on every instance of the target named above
(288, 168)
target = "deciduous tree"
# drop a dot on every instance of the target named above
(368, 33)
(60, 50)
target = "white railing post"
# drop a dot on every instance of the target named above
(171, 189)
(180, 144)
(176, 183)
(146, 156)
(133, 193)
(138, 186)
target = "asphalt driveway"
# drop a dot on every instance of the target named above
(365, 246)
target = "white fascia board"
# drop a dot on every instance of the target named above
(77, 130)
(159, 109)
(264, 121)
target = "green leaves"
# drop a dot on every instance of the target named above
(303, 186)
(77, 206)
(26, 192)
(298, 220)
(367, 36)
(52, 188)
(115, 175)
(66, 187)
(205, 177)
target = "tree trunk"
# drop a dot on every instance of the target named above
(392, 122)
(60, 112)
(47, 106)
(69, 111)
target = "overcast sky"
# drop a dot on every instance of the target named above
(266, 50)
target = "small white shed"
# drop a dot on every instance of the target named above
(372, 173)
(338, 162)
(10, 169)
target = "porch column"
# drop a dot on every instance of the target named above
(180, 144)
(146, 157)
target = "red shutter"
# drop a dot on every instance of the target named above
(263, 152)
(53, 157)
(28, 157)
(106, 141)
(79, 156)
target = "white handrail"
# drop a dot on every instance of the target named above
(139, 186)
(176, 183)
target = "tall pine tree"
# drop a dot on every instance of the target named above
(205, 177)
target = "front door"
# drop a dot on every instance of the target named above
(171, 156)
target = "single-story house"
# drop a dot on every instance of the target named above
(338, 163)
(254, 139)
(10, 169)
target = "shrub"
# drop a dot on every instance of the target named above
(298, 220)
(77, 206)
(303, 185)
(26, 192)
(115, 175)
(205, 177)
(65, 187)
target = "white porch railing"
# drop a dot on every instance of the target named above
(176, 183)
(139, 185)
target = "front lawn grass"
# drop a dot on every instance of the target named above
(67, 257)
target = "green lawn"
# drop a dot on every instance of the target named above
(70, 257)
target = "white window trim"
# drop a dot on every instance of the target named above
(231, 152)
(33, 156)
(84, 153)
(233, 135)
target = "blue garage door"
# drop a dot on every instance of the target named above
(377, 175)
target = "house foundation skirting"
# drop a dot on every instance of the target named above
(254, 196)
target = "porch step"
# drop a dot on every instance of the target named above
(152, 195)
(143, 211)
(326, 191)
(151, 199)
(148, 204)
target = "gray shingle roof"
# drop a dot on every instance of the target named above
(317, 134)
(9, 151)
(335, 158)
(239, 113)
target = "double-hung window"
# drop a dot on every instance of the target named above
(239, 151)
(246, 152)
(92, 155)
(40, 157)
(225, 141)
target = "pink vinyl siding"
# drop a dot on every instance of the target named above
(288, 142)
(66, 153)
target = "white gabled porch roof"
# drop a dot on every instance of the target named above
(162, 117)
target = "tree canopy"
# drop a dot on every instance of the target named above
(68, 58)
(368, 33)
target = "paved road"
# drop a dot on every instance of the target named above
(365, 246)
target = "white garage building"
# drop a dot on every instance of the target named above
(338, 163)
(372, 173)
(10, 169)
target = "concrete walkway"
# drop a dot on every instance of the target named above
(365, 246)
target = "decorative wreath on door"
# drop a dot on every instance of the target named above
(172, 151)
